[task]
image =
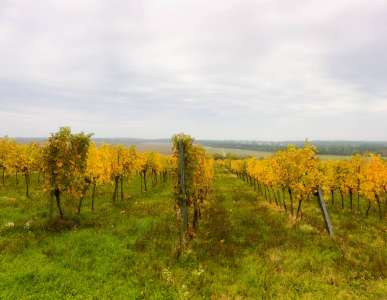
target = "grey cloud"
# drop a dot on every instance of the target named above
(219, 69)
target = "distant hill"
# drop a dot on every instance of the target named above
(323, 147)
(99, 141)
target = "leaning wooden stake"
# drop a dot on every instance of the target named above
(324, 210)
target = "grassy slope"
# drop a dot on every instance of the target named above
(245, 248)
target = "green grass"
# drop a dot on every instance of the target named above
(245, 248)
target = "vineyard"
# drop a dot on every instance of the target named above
(83, 221)
(292, 176)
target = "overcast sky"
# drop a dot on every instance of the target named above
(266, 70)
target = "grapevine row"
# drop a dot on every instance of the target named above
(71, 165)
(194, 173)
(295, 174)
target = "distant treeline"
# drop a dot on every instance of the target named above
(323, 147)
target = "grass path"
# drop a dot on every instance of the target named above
(244, 249)
(259, 252)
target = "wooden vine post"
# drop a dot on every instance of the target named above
(183, 198)
(193, 174)
(324, 211)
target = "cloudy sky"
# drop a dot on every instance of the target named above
(265, 69)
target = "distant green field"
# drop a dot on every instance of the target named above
(259, 154)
